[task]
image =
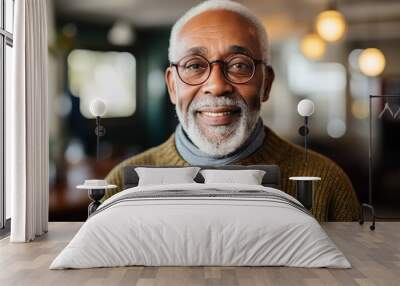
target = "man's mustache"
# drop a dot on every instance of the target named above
(215, 102)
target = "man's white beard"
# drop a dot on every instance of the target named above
(224, 139)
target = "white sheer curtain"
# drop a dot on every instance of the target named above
(26, 124)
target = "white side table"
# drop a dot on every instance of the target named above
(95, 192)
(304, 190)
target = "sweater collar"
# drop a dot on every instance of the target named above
(194, 156)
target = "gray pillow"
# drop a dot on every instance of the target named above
(164, 176)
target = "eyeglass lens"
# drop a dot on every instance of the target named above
(196, 69)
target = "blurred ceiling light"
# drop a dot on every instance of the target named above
(336, 128)
(312, 46)
(360, 108)
(371, 62)
(121, 34)
(331, 25)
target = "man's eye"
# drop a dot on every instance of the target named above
(193, 67)
(239, 67)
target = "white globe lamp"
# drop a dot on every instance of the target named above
(98, 107)
(305, 107)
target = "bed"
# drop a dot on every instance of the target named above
(201, 224)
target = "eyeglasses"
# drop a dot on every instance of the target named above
(195, 69)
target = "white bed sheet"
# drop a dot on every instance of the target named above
(200, 231)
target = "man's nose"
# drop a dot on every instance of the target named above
(217, 84)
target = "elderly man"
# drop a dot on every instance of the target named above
(218, 78)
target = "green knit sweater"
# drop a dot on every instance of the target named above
(335, 198)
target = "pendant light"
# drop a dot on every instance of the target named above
(312, 46)
(371, 62)
(121, 34)
(331, 24)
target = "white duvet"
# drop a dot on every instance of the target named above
(183, 231)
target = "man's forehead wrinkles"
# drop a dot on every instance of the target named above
(201, 28)
(197, 50)
(233, 49)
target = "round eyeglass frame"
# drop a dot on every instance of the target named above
(223, 64)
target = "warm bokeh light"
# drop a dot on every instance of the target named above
(331, 25)
(312, 46)
(372, 62)
(360, 108)
(121, 34)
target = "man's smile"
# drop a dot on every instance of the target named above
(221, 115)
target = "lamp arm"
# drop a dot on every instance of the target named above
(97, 137)
(99, 131)
(305, 138)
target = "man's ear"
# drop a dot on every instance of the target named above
(269, 79)
(171, 85)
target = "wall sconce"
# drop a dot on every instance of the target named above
(98, 109)
(305, 108)
(304, 184)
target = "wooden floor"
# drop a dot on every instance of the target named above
(375, 256)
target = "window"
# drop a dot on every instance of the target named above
(6, 44)
(106, 75)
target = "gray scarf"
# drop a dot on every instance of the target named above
(194, 156)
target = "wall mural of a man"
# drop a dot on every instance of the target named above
(218, 79)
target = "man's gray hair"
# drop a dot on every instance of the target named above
(219, 5)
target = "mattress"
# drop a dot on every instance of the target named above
(201, 225)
